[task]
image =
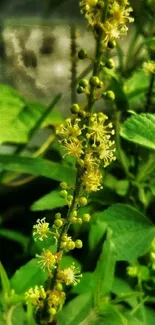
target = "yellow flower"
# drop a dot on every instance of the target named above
(56, 299)
(106, 153)
(47, 260)
(149, 67)
(70, 275)
(121, 13)
(73, 147)
(70, 128)
(97, 130)
(91, 180)
(33, 295)
(41, 229)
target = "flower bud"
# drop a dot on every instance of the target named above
(59, 286)
(63, 194)
(63, 185)
(80, 90)
(110, 95)
(83, 200)
(52, 311)
(82, 54)
(94, 81)
(110, 64)
(78, 243)
(58, 215)
(58, 223)
(75, 108)
(79, 220)
(71, 245)
(83, 83)
(86, 217)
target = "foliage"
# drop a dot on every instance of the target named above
(71, 190)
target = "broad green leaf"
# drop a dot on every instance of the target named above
(4, 280)
(37, 166)
(15, 236)
(48, 202)
(122, 289)
(105, 270)
(86, 284)
(140, 129)
(132, 231)
(110, 315)
(28, 276)
(135, 89)
(96, 233)
(19, 120)
(67, 261)
(76, 310)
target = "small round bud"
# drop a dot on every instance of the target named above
(100, 84)
(74, 219)
(52, 311)
(94, 81)
(86, 217)
(82, 114)
(64, 244)
(70, 197)
(92, 3)
(75, 108)
(79, 220)
(59, 286)
(112, 44)
(71, 245)
(82, 54)
(58, 215)
(83, 83)
(78, 243)
(110, 95)
(64, 237)
(110, 64)
(80, 90)
(58, 223)
(83, 200)
(63, 185)
(63, 193)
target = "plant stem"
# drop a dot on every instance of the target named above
(149, 93)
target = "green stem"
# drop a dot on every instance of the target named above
(149, 93)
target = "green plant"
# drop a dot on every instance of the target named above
(106, 174)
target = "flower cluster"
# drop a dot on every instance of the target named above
(35, 296)
(149, 67)
(118, 15)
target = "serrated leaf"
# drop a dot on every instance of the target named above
(132, 231)
(48, 202)
(38, 166)
(140, 129)
(28, 276)
(4, 280)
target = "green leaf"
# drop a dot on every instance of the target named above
(121, 99)
(15, 236)
(86, 284)
(96, 233)
(71, 315)
(105, 270)
(37, 166)
(140, 129)
(4, 280)
(19, 120)
(28, 276)
(17, 315)
(111, 315)
(132, 231)
(48, 202)
(121, 289)
(67, 260)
